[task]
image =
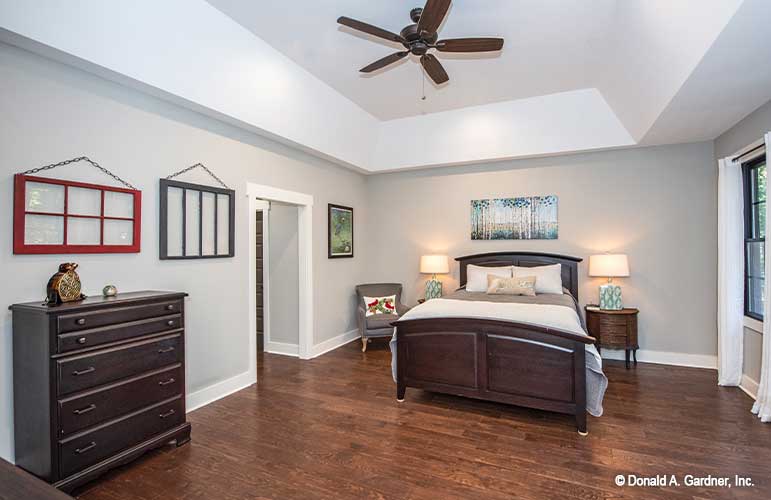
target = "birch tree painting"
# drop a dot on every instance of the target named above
(526, 218)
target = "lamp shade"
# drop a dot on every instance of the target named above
(434, 264)
(609, 265)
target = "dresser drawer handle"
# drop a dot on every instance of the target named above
(78, 373)
(81, 321)
(165, 350)
(82, 340)
(90, 446)
(167, 382)
(87, 409)
(167, 414)
(170, 322)
(170, 307)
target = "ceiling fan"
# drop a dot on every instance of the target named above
(418, 38)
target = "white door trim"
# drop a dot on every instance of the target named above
(305, 253)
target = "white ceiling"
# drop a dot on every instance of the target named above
(574, 75)
(550, 47)
(637, 53)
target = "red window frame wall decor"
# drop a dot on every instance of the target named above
(20, 213)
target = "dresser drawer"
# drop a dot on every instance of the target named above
(83, 321)
(96, 406)
(613, 323)
(100, 367)
(95, 336)
(86, 449)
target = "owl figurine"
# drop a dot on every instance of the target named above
(64, 286)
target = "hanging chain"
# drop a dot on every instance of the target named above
(423, 74)
(191, 167)
(74, 160)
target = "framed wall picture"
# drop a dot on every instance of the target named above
(54, 216)
(522, 218)
(196, 221)
(340, 231)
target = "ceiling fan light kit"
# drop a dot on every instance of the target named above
(420, 37)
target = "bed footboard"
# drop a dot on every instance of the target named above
(514, 363)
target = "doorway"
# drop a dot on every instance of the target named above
(259, 198)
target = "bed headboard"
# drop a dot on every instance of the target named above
(525, 259)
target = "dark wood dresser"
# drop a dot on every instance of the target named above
(614, 329)
(97, 383)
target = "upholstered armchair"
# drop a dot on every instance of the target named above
(377, 325)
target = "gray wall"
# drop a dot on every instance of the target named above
(284, 273)
(753, 127)
(657, 204)
(51, 112)
(747, 131)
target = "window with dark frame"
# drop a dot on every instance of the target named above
(196, 221)
(754, 174)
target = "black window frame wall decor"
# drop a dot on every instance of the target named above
(165, 184)
(753, 234)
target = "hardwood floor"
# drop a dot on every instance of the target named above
(331, 428)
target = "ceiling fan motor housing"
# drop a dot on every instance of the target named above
(411, 34)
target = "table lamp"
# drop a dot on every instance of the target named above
(434, 264)
(609, 266)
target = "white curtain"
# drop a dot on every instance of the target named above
(730, 278)
(762, 406)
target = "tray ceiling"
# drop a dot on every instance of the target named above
(573, 75)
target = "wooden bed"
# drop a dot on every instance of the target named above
(507, 362)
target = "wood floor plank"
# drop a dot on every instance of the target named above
(330, 428)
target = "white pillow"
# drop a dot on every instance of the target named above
(476, 276)
(548, 279)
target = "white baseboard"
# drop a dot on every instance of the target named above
(749, 386)
(334, 343)
(217, 391)
(666, 358)
(227, 387)
(317, 350)
(282, 348)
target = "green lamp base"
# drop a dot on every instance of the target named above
(433, 289)
(610, 297)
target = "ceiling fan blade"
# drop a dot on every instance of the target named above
(470, 45)
(371, 30)
(382, 63)
(433, 14)
(434, 68)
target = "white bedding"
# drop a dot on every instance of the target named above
(552, 316)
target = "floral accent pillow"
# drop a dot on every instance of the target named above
(519, 285)
(380, 305)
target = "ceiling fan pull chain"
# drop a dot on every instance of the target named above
(423, 79)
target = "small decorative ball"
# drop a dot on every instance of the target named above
(109, 291)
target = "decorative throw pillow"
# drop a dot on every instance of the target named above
(476, 276)
(524, 285)
(548, 279)
(380, 305)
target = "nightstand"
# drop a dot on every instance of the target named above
(614, 329)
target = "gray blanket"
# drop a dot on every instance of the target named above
(596, 381)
